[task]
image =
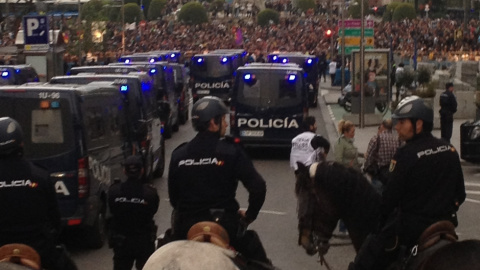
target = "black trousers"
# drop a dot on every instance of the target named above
(132, 249)
(446, 127)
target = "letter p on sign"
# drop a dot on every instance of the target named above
(32, 24)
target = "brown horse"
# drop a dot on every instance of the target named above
(328, 191)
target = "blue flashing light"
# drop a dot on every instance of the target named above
(247, 76)
(275, 58)
(199, 60)
(172, 55)
(291, 77)
(284, 60)
(224, 60)
(153, 71)
(17, 70)
(124, 88)
(127, 61)
(55, 104)
(164, 67)
(152, 60)
(5, 74)
(309, 61)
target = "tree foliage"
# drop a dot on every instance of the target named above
(266, 16)
(354, 9)
(217, 5)
(94, 10)
(156, 8)
(305, 5)
(387, 15)
(404, 11)
(133, 13)
(193, 13)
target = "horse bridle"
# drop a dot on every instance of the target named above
(321, 244)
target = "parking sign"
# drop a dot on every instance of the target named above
(35, 29)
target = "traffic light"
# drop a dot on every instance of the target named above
(328, 33)
(375, 10)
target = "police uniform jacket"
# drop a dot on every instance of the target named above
(29, 207)
(448, 105)
(307, 148)
(426, 182)
(204, 174)
(133, 205)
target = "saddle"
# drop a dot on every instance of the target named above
(441, 230)
(20, 254)
(210, 232)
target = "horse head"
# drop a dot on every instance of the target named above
(317, 216)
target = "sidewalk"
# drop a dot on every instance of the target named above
(332, 113)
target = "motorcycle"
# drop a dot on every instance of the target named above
(345, 100)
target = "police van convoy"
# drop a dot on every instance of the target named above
(77, 133)
(269, 104)
(309, 63)
(17, 74)
(212, 74)
(171, 99)
(152, 56)
(145, 130)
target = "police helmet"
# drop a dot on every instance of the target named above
(448, 85)
(133, 165)
(414, 107)
(207, 108)
(11, 136)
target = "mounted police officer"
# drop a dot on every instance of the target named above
(203, 179)
(426, 185)
(133, 205)
(29, 212)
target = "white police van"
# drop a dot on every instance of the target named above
(269, 104)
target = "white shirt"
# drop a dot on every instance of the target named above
(332, 67)
(302, 150)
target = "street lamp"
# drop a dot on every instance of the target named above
(123, 27)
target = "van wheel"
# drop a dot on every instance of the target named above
(175, 127)
(161, 163)
(96, 234)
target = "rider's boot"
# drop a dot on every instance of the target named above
(372, 255)
(251, 247)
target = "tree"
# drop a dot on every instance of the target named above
(266, 16)
(305, 5)
(354, 9)
(193, 13)
(132, 13)
(217, 6)
(404, 11)
(156, 9)
(93, 11)
(387, 15)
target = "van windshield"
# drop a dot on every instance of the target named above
(47, 125)
(211, 67)
(267, 90)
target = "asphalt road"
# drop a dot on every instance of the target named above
(277, 222)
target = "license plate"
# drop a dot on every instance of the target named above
(251, 133)
(203, 92)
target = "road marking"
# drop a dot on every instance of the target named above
(473, 192)
(269, 212)
(471, 200)
(471, 184)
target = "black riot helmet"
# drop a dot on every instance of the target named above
(11, 136)
(206, 109)
(133, 166)
(414, 108)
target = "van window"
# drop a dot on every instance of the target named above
(211, 67)
(271, 90)
(47, 132)
(47, 126)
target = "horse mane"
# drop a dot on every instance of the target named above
(356, 200)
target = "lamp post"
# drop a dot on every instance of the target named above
(362, 65)
(342, 9)
(123, 27)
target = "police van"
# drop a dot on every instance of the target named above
(309, 63)
(240, 55)
(212, 74)
(269, 104)
(77, 133)
(172, 100)
(108, 69)
(146, 127)
(17, 74)
(139, 58)
(171, 56)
